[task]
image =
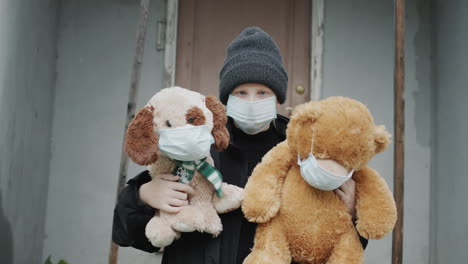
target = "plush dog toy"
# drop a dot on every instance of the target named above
(183, 124)
(289, 192)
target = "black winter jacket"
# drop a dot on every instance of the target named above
(233, 245)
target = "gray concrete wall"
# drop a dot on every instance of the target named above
(95, 49)
(27, 67)
(96, 45)
(358, 62)
(449, 227)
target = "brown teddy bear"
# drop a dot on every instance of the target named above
(173, 134)
(306, 224)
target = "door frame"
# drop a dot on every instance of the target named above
(316, 58)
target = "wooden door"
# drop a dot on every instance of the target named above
(206, 27)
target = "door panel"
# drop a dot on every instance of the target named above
(206, 27)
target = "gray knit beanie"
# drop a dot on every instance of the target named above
(253, 57)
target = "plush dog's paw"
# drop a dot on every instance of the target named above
(159, 233)
(231, 200)
(183, 227)
(213, 224)
(189, 219)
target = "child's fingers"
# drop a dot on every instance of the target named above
(182, 187)
(169, 177)
(180, 195)
(348, 186)
(340, 193)
(171, 209)
(177, 203)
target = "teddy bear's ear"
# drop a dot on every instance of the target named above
(141, 142)
(308, 112)
(382, 138)
(304, 115)
(220, 132)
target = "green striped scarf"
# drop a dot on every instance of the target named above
(186, 169)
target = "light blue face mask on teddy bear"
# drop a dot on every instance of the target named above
(318, 177)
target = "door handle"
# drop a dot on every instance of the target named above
(160, 34)
(300, 89)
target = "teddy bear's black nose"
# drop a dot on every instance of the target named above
(168, 124)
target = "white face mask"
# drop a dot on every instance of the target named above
(251, 116)
(318, 177)
(187, 143)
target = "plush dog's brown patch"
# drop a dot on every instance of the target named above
(195, 116)
(141, 142)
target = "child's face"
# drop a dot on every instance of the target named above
(252, 91)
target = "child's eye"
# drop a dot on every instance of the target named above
(242, 93)
(262, 93)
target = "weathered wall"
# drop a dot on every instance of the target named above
(27, 68)
(358, 62)
(449, 221)
(96, 45)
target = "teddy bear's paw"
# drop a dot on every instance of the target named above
(231, 200)
(159, 233)
(265, 257)
(373, 230)
(258, 211)
(188, 220)
(356, 257)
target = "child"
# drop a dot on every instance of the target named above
(252, 82)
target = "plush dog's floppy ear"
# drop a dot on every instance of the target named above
(220, 133)
(382, 138)
(141, 142)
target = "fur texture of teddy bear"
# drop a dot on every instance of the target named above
(168, 109)
(300, 223)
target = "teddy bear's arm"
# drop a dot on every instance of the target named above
(262, 194)
(375, 206)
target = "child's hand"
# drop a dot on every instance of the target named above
(165, 193)
(347, 194)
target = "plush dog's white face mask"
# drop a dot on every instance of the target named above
(186, 143)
